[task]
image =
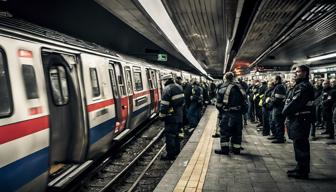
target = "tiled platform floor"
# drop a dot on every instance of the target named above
(261, 167)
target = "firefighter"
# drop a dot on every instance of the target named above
(231, 103)
(171, 110)
(196, 104)
(298, 110)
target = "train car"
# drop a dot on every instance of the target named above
(64, 101)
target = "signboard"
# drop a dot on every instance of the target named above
(162, 57)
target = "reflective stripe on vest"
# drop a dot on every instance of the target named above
(279, 96)
(227, 94)
(163, 102)
(225, 144)
(177, 96)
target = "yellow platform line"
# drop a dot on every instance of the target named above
(194, 174)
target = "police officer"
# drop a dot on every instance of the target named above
(171, 110)
(278, 97)
(231, 103)
(298, 110)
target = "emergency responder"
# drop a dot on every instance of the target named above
(180, 82)
(196, 104)
(267, 108)
(171, 110)
(250, 96)
(219, 117)
(328, 100)
(231, 103)
(278, 97)
(243, 87)
(258, 101)
(298, 110)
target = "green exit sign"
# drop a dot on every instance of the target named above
(162, 57)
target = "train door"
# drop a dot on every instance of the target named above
(129, 86)
(116, 96)
(155, 90)
(69, 137)
(121, 101)
(151, 90)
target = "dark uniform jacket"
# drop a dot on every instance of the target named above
(172, 103)
(196, 95)
(267, 99)
(328, 99)
(278, 96)
(230, 98)
(298, 109)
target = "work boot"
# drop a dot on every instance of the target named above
(216, 135)
(271, 138)
(298, 175)
(279, 141)
(223, 151)
(293, 170)
(167, 158)
(236, 151)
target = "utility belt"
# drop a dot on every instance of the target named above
(232, 109)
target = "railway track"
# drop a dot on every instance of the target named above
(127, 170)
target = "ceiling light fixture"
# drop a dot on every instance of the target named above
(160, 16)
(322, 57)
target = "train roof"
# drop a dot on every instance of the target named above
(6, 21)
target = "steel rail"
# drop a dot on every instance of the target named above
(135, 184)
(130, 165)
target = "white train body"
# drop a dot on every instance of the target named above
(62, 103)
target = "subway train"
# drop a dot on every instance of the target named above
(65, 101)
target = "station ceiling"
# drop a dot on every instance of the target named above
(219, 33)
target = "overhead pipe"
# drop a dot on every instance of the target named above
(280, 40)
(234, 31)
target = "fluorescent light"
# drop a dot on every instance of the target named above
(160, 16)
(327, 56)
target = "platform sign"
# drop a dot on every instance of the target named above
(162, 57)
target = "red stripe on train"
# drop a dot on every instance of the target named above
(141, 94)
(99, 105)
(20, 129)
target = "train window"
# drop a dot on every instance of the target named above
(113, 83)
(119, 75)
(5, 96)
(128, 80)
(150, 80)
(59, 85)
(137, 80)
(153, 77)
(94, 82)
(30, 82)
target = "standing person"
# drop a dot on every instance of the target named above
(196, 104)
(278, 97)
(327, 107)
(297, 109)
(267, 108)
(250, 96)
(171, 110)
(231, 102)
(243, 88)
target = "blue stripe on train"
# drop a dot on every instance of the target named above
(137, 112)
(99, 131)
(17, 174)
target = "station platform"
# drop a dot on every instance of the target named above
(261, 166)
